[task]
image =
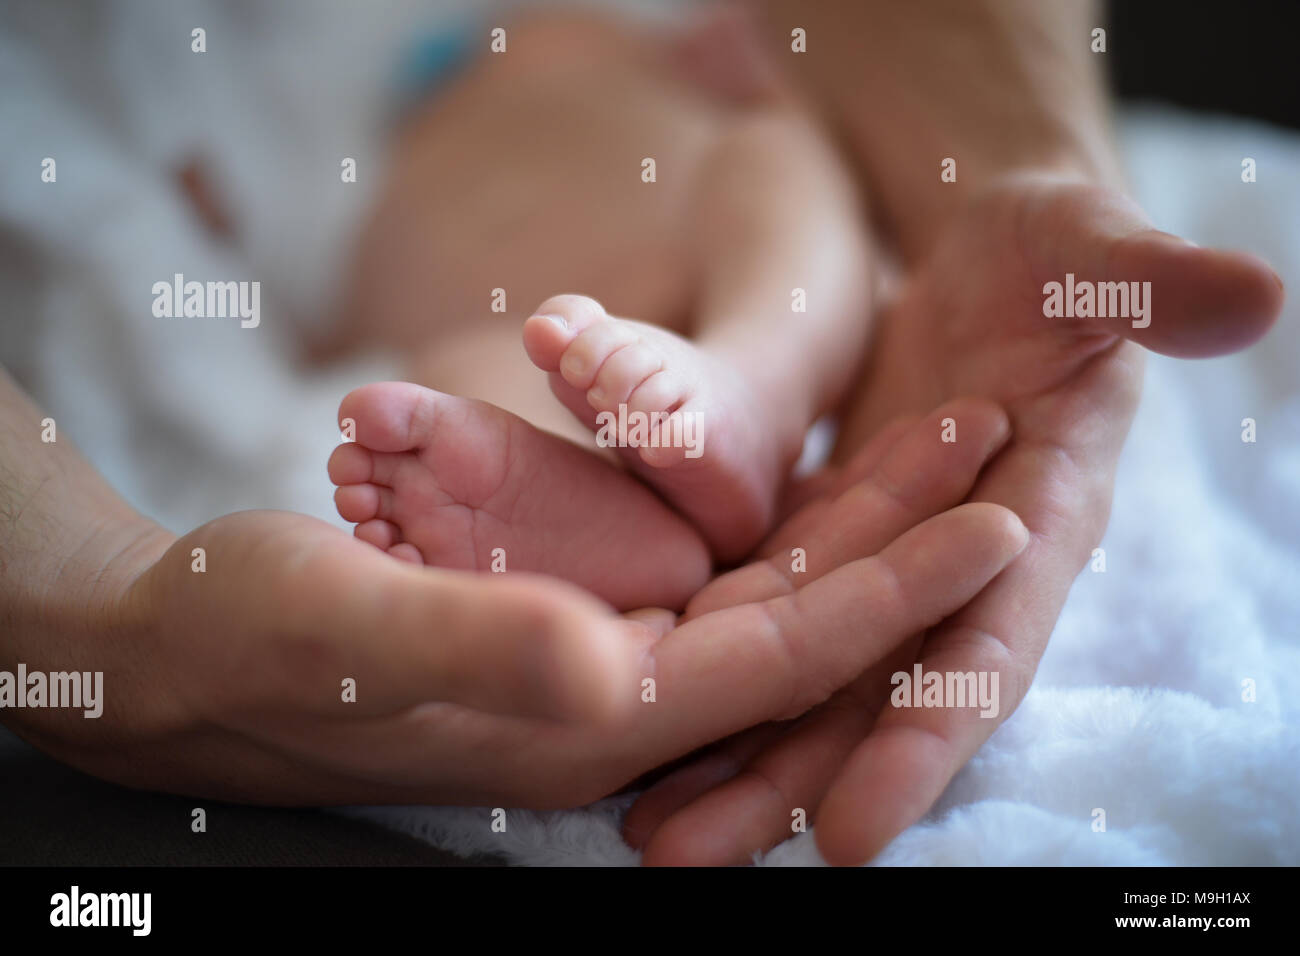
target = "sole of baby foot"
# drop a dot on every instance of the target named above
(453, 482)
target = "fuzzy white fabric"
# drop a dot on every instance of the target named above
(1137, 707)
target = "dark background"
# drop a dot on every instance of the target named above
(1230, 56)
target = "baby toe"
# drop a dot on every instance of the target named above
(382, 534)
(622, 373)
(358, 503)
(583, 359)
(350, 464)
(405, 551)
(555, 324)
(661, 392)
(665, 447)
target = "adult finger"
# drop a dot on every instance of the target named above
(774, 659)
(1161, 291)
(701, 816)
(895, 775)
(915, 476)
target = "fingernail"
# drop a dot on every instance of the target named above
(1160, 235)
(1024, 538)
(557, 319)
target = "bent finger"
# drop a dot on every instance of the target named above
(916, 475)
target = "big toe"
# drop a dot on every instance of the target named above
(389, 416)
(555, 324)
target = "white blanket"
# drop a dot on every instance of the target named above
(1138, 706)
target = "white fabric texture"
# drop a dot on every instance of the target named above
(1137, 708)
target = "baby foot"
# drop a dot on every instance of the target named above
(685, 421)
(447, 481)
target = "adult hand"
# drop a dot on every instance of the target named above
(970, 321)
(478, 689)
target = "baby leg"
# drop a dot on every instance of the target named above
(779, 325)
